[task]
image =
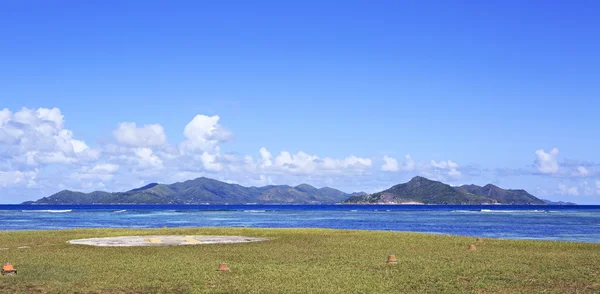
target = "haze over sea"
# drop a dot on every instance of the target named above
(563, 223)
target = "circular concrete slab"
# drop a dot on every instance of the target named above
(127, 241)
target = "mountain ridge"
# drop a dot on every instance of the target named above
(418, 190)
(198, 191)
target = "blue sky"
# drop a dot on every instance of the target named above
(459, 91)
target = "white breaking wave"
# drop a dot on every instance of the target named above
(254, 210)
(49, 210)
(118, 211)
(511, 211)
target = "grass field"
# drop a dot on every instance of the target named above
(297, 261)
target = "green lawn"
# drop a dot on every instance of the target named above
(297, 261)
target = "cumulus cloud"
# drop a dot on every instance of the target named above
(102, 168)
(546, 162)
(437, 170)
(568, 191)
(145, 148)
(304, 163)
(390, 164)
(446, 168)
(18, 178)
(147, 159)
(5, 115)
(127, 133)
(409, 163)
(36, 137)
(39, 151)
(265, 158)
(210, 162)
(203, 134)
(351, 162)
(581, 171)
(94, 176)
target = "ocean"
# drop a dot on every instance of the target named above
(579, 223)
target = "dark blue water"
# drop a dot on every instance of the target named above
(566, 223)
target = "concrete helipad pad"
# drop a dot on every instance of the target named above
(125, 241)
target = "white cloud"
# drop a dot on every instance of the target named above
(91, 179)
(586, 189)
(93, 176)
(37, 137)
(298, 163)
(444, 164)
(203, 134)
(409, 163)
(147, 158)
(442, 170)
(26, 116)
(581, 171)
(265, 157)
(69, 144)
(102, 168)
(18, 178)
(546, 162)
(304, 163)
(568, 191)
(52, 115)
(210, 162)
(149, 135)
(349, 162)
(33, 139)
(446, 168)
(5, 115)
(41, 152)
(390, 164)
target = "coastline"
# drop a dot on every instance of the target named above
(561, 223)
(296, 260)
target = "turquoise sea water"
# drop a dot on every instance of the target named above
(564, 223)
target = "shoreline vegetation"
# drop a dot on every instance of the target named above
(297, 261)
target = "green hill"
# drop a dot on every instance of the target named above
(420, 190)
(201, 190)
(501, 195)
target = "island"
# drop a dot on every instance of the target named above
(203, 191)
(418, 190)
